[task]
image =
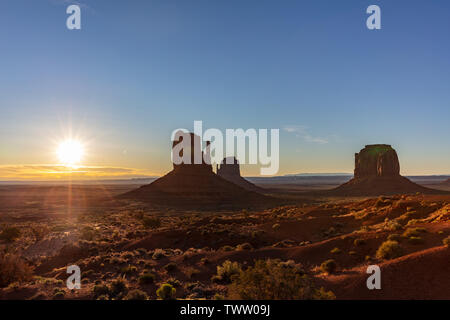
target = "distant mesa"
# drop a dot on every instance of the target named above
(230, 171)
(377, 172)
(196, 186)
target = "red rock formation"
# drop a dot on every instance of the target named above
(230, 171)
(377, 172)
(376, 160)
(196, 186)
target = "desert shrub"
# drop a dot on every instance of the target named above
(174, 282)
(128, 270)
(118, 288)
(276, 226)
(335, 251)
(395, 237)
(227, 270)
(87, 233)
(381, 203)
(151, 222)
(158, 254)
(415, 240)
(413, 232)
(227, 248)
(389, 250)
(9, 234)
(100, 290)
(13, 269)
(218, 296)
(328, 266)
(244, 246)
(269, 280)
(146, 278)
(170, 267)
(359, 242)
(136, 294)
(392, 225)
(58, 294)
(39, 232)
(166, 292)
(446, 241)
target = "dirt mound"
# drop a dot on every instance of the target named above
(229, 170)
(375, 186)
(420, 275)
(189, 189)
(377, 172)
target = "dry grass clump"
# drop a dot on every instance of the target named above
(272, 280)
(389, 250)
(13, 269)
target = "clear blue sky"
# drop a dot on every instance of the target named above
(139, 69)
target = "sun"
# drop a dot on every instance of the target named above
(70, 152)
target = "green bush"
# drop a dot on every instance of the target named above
(272, 280)
(166, 292)
(227, 270)
(328, 266)
(389, 250)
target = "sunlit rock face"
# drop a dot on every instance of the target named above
(377, 172)
(376, 160)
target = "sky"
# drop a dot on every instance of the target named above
(137, 70)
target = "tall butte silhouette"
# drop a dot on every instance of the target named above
(229, 170)
(195, 186)
(377, 172)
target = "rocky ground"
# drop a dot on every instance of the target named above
(127, 251)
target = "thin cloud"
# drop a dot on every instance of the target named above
(302, 132)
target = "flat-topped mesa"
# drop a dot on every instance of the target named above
(377, 172)
(376, 160)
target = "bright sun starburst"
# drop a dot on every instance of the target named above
(70, 152)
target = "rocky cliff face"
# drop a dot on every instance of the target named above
(379, 160)
(377, 172)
